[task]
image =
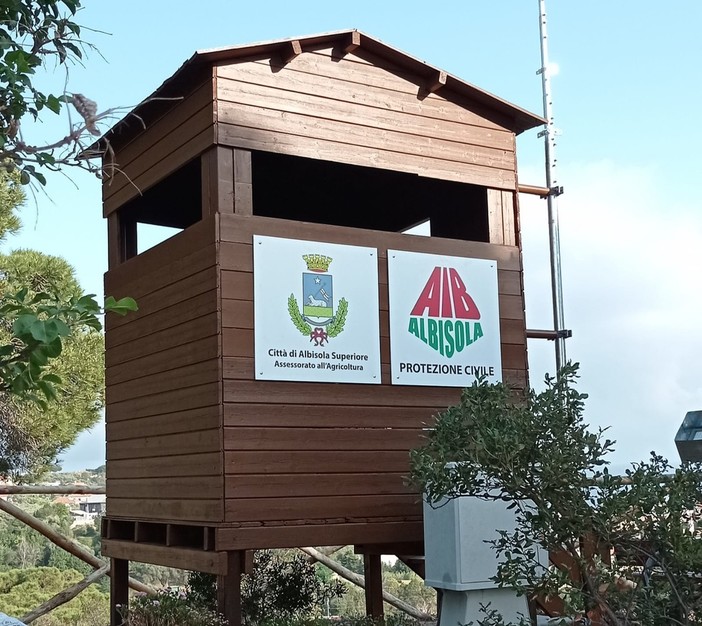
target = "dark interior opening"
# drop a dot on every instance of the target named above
(165, 209)
(310, 190)
(176, 201)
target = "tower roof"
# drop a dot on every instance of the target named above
(427, 76)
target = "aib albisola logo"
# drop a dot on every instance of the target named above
(445, 316)
(319, 318)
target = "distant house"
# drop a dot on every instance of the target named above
(89, 507)
(93, 505)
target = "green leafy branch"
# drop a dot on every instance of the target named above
(32, 35)
(38, 323)
(337, 325)
(296, 316)
(536, 452)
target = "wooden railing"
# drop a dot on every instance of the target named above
(102, 568)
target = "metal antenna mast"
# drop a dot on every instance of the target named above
(549, 135)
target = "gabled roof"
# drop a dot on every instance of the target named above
(348, 40)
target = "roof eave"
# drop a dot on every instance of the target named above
(521, 119)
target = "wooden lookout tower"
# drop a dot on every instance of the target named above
(335, 140)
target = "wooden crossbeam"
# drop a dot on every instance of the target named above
(354, 42)
(66, 595)
(167, 556)
(291, 49)
(78, 490)
(404, 547)
(437, 81)
(533, 190)
(360, 581)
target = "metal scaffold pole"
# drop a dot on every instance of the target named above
(549, 135)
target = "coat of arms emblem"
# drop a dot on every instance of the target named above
(319, 317)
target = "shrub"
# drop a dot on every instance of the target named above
(168, 608)
(22, 590)
(282, 586)
(630, 545)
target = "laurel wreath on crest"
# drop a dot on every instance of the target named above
(337, 324)
(296, 316)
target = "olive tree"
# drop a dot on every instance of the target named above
(629, 549)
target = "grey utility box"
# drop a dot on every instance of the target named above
(457, 556)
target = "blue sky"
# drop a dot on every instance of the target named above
(625, 98)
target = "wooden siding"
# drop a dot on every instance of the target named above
(502, 217)
(168, 556)
(192, 437)
(336, 532)
(354, 111)
(163, 383)
(320, 455)
(160, 149)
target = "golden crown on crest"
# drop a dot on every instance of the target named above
(317, 262)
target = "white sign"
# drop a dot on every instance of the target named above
(315, 311)
(444, 320)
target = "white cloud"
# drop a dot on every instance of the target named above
(631, 276)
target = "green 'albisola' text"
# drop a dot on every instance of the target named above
(446, 336)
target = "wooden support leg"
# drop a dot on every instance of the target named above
(119, 589)
(229, 589)
(374, 586)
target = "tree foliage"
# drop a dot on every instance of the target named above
(157, 576)
(49, 342)
(34, 35)
(51, 367)
(22, 547)
(41, 307)
(283, 585)
(632, 543)
(22, 590)
(168, 608)
(11, 196)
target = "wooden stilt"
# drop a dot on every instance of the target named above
(229, 589)
(119, 589)
(373, 574)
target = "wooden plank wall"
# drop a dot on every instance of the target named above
(160, 149)
(163, 383)
(299, 454)
(359, 111)
(191, 435)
